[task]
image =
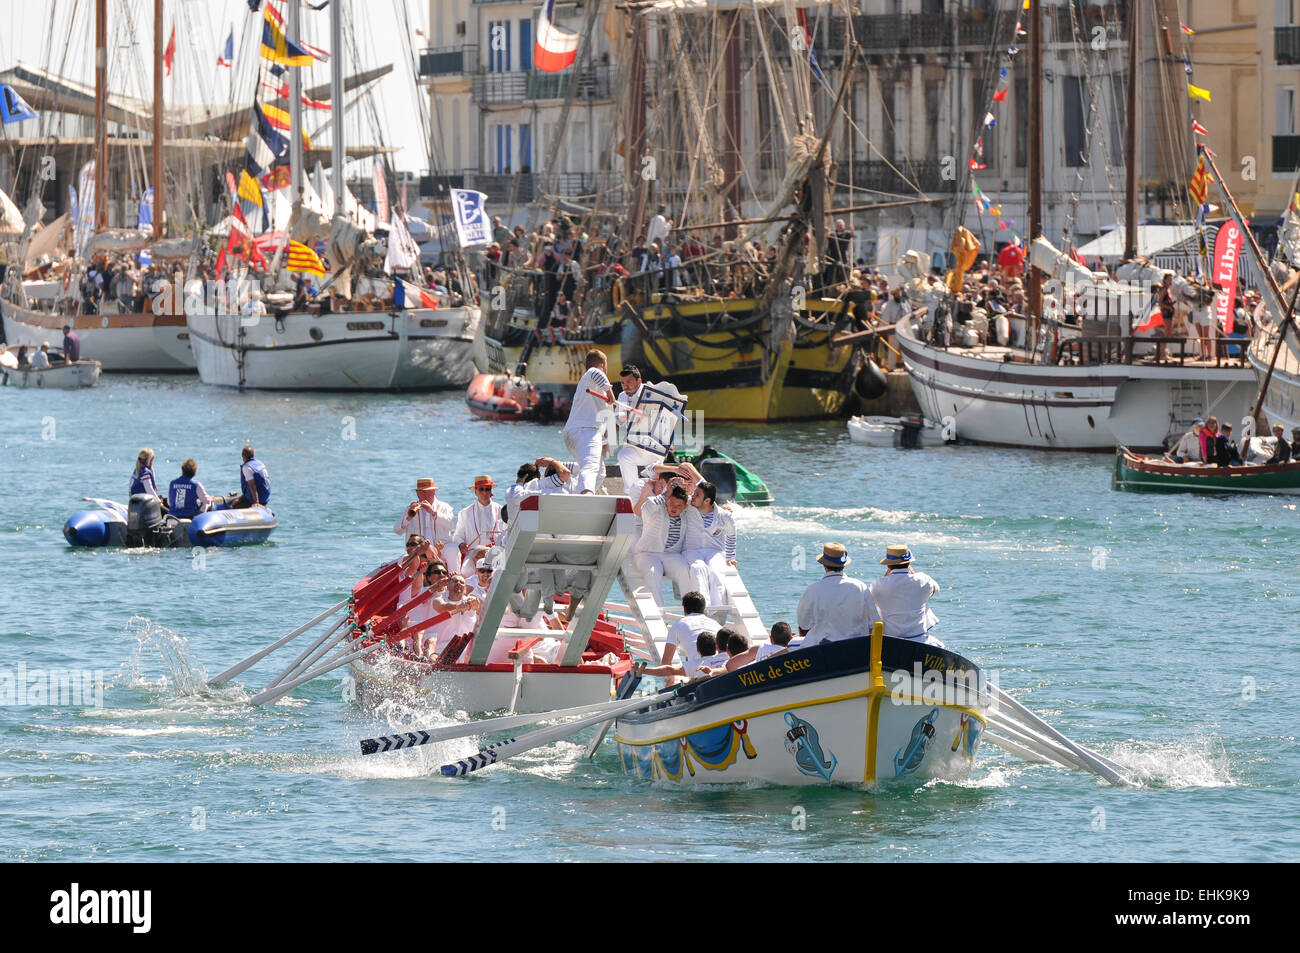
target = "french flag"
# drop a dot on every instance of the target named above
(227, 57)
(556, 49)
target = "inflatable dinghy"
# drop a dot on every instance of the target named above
(142, 523)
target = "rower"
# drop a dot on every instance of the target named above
(142, 478)
(1282, 450)
(683, 633)
(526, 473)
(431, 518)
(706, 647)
(585, 430)
(254, 481)
(835, 606)
(478, 524)
(186, 496)
(900, 598)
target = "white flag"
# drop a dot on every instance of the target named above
(403, 253)
(85, 223)
(472, 224)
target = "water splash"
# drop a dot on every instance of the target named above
(1199, 763)
(181, 676)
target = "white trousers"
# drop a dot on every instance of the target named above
(654, 566)
(584, 445)
(630, 462)
(707, 567)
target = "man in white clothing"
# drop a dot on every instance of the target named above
(584, 432)
(1189, 447)
(41, 359)
(659, 226)
(632, 459)
(478, 524)
(835, 606)
(667, 522)
(900, 598)
(712, 547)
(683, 633)
(431, 518)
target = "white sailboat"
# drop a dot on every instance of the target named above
(421, 348)
(1047, 385)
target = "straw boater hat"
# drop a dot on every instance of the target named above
(481, 481)
(896, 554)
(426, 483)
(834, 556)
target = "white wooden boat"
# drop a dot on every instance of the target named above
(852, 712)
(121, 342)
(58, 376)
(423, 349)
(910, 431)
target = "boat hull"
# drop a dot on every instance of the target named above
(122, 343)
(815, 716)
(406, 350)
(241, 527)
(59, 377)
(1137, 472)
(1066, 407)
(889, 432)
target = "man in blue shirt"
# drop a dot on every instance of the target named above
(253, 481)
(186, 496)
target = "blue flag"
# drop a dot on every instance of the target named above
(13, 108)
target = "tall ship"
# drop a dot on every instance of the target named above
(1039, 381)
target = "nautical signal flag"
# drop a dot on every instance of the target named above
(1199, 129)
(555, 49)
(13, 108)
(1199, 186)
(277, 48)
(227, 57)
(1186, 29)
(302, 258)
(169, 54)
(248, 190)
(1195, 92)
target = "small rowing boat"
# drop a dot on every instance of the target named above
(1135, 471)
(60, 375)
(910, 431)
(142, 523)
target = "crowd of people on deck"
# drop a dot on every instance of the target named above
(684, 534)
(186, 496)
(1210, 443)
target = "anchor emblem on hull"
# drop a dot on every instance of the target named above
(802, 742)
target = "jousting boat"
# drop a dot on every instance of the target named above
(1134, 471)
(850, 712)
(142, 523)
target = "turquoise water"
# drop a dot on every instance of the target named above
(1158, 629)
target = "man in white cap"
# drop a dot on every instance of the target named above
(433, 519)
(835, 606)
(900, 598)
(478, 524)
(483, 579)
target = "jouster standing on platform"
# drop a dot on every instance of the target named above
(478, 524)
(431, 518)
(900, 598)
(631, 459)
(186, 496)
(835, 606)
(712, 546)
(254, 481)
(585, 430)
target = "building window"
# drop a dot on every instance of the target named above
(498, 46)
(1285, 118)
(1285, 13)
(888, 141)
(1022, 123)
(1118, 118)
(526, 44)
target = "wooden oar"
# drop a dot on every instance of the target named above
(412, 739)
(256, 657)
(504, 750)
(272, 694)
(314, 653)
(1095, 763)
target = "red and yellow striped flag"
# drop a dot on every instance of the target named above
(302, 258)
(1199, 187)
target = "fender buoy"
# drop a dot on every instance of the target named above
(871, 381)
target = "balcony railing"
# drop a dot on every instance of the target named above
(879, 176)
(448, 61)
(594, 83)
(1286, 153)
(1286, 45)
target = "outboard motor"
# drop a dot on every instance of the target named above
(909, 436)
(144, 520)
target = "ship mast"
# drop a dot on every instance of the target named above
(336, 102)
(101, 113)
(157, 174)
(635, 139)
(1130, 133)
(295, 107)
(1036, 149)
(731, 116)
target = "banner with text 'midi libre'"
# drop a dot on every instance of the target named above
(1227, 252)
